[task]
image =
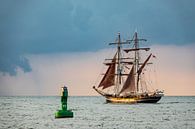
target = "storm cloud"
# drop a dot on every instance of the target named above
(55, 26)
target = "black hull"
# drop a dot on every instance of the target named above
(136, 98)
(131, 100)
(149, 100)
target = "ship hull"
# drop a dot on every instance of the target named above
(137, 98)
(131, 100)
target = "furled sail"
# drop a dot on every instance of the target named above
(109, 78)
(136, 49)
(129, 85)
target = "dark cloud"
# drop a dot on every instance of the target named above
(12, 63)
(48, 26)
(81, 18)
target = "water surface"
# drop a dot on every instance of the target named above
(94, 113)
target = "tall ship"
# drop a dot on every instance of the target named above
(123, 81)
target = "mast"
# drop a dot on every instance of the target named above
(118, 80)
(137, 61)
(118, 63)
(137, 58)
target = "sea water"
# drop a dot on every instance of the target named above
(94, 113)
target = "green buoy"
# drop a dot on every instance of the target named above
(64, 113)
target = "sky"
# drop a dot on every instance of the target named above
(45, 44)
